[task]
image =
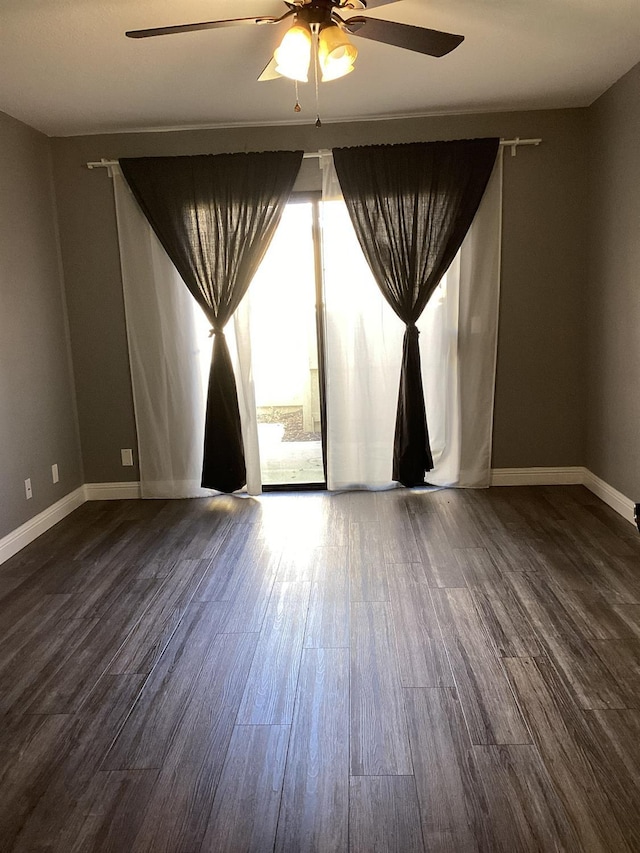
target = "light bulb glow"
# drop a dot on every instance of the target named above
(336, 54)
(294, 54)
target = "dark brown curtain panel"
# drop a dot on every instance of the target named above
(411, 206)
(215, 215)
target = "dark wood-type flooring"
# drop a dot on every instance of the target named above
(402, 671)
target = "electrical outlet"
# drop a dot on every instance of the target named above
(636, 515)
(55, 476)
(27, 488)
(126, 454)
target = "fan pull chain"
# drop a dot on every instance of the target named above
(315, 75)
(297, 108)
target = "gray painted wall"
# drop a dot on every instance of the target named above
(540, 416)
(613, 450)
(38, 425)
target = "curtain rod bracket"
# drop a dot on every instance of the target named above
(515, 143)
(110, 165)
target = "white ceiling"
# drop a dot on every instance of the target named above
(66, 67)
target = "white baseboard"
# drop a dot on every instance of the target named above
(111, 491)
(615, 499)
(39, 524)
(576, 476)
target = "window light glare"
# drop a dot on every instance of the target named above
(293, 56)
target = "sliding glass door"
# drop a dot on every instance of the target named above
(286, 347)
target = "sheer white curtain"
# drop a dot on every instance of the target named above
(364, 347)
(170, 353)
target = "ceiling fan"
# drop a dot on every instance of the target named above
(318, 23)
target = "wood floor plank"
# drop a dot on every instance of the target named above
(328, 616)
(119, 538)
(554, 720)
(252, 593)
(299, 562)
(196, 533)
(314, 814)
(422, 657)
(336, 521)
(35, 620)
(616, 577)
(594, 617)
(558, 561)
(614, 753)
(115, 807)
(449, 789)
(512, 542)
(76, 756)
(524, 812)
(271, 686)
(503, 615)
(590, 680)
(458, 523)
(367, 565)
(611, 519)
(155, 722)
(69, 681)
(8, 584)
(513, 552)
(502, 505)
(384, 815)
(144, 646)
(177, 811)
(100, 588)
(593, 531)
(237, 554)
(395, 528)
(26, 763)
(440, 565)
(38, 662)
(84, 524)
(489, 707)
(245, 808)
(379, 738)
(19, 605)
(630, 615)
(622, 659)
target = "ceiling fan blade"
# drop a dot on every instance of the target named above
(419, 39)
(269, 72)
(365, 4)
(205, 25)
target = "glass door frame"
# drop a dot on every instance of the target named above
(314, 197)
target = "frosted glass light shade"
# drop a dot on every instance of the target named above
(294, 53)
(336, 54)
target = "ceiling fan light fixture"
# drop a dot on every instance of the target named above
(293, 56)
(336, 54)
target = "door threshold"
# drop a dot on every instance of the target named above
(295, 487)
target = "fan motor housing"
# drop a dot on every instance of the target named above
(315, 12)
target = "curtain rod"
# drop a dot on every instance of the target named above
(314, 155)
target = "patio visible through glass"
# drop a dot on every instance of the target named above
(285, 354)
